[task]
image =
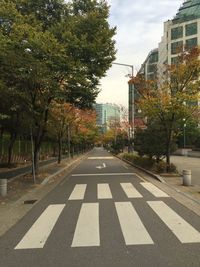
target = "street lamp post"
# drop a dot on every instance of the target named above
(184, 134)
(131, 101)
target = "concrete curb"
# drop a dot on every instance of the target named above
(156, 176)
(47, 179)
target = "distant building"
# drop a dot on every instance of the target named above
(107, 116)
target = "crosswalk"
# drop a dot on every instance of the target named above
(87, 229)
(104, 191)
(38, 234)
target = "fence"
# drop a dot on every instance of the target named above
(22, 149)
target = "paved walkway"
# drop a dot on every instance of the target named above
(187, 163)
(27, 169)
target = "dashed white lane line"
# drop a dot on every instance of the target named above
(87, 228)
(182, 229)
(130, 190)
(38, 234)
(79, 192)
(132, 227)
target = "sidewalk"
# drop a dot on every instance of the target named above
(188, 163)
(23, 193)
(14, 172)
(192, 192)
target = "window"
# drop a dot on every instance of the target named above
(190, 43)
(191, 29)
(153, 58)
(176, 33)
(174, 60)
(151, 68)
(151, 77)
(176, 47)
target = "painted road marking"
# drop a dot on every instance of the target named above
(103, 191)
(38, 234)
(154, 190)
(87, 228)
(100, 157)
(79, 192)
(101, 167)
(102, 174)
(130, 190)
(133, 230)
(182, 229)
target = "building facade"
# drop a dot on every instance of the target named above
(181, 32)
(107, 116)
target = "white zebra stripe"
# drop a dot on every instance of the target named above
(87, 228)
(182, 229)
(154, 190)
(38, 234)
(130, 190)
(79, 192)
(103, 191)
(132, 227)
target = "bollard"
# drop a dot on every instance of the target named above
(3, 187)
(187, 177)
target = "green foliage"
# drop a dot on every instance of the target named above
(152, 141)
(144, 162)
(192, 134)
(161, 167)
(50, 50)
(174, 97)
(149, 164)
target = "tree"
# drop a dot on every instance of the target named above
(61, 117)
(85, 130)
(49, 52)
(146, 141)
(175, 98)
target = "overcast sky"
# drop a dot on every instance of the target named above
(139, 30)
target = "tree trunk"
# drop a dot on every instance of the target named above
(59, 150)
(36, 158)
(13, 137)
(168, 144)
(38, 138)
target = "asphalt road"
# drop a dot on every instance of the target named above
(103, 215)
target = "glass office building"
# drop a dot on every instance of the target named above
(107, 115)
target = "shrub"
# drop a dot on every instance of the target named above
(150, 164)
(138, 160)
(162, 166)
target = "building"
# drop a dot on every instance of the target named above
(107, 116)
(182, 32)
(149, 67)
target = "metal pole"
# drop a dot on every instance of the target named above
(68, 140)
(131, 129)
(33, 163)
(184, 137)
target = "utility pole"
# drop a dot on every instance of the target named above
(131, 103)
